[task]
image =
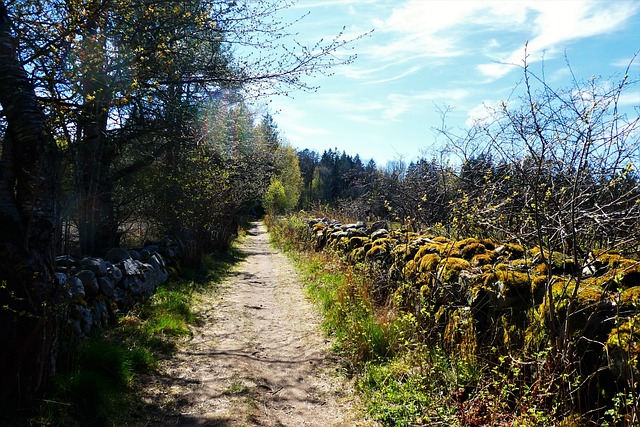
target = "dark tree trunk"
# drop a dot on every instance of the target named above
(29, 295)
(97, 225)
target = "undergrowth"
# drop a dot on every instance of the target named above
(401, 384)
(96, 385)
(405, 373)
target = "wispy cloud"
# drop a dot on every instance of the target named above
(399, 104)
(558, 23)
(402, 75)
(630, 99)
(448, 29)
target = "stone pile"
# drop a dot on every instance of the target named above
(486, 294)
(100, 288)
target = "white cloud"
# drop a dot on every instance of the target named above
(400, 76)
(558, 23)
(481, 113)
(399, 104)
(630, 99)
(447, 29)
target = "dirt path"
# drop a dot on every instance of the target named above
(258, 359)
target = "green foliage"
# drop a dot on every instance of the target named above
(275, 199)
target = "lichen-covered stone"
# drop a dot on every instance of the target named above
(450, 267)
(623, 349)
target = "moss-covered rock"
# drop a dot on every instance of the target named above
(510, 251)
(623, 349)
(559, 263)
(486, 258)
(468, 248)
(429, 263)
(449, 269)
(589, 300)
(507, 287)
(376, 253)
(460, 335)
(357, 255)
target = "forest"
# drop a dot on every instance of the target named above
(123, 122)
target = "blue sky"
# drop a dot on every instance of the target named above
(427, 55)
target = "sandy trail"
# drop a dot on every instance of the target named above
(258, 358)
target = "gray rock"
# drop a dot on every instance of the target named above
(106, 286)
(378, 225)
(135, 255)
(80, 320)
(123, 298)
(379, 234)
(152, 248)
(145, 254)
(131, 267)
(116, 255)
(61, 279)
(100, 313)
(115, 274)
(97, 265)
(65, 261)
(89, 282)
(76, 288)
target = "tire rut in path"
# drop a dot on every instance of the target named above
(258, 358)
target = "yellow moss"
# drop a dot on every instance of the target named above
(610, 259)
(451, 267)
(460, 334)
(409, 269)
(508, 287)
(515, 251)
(441, 239)
(623, 348)
(403, 252)
(482, 259)
(560, 264)
(588, 298)
(475, 248)
(428, 248)
(511, 278)
(630, 297)
(319, 226)
(488, 243)
(384, 241)
(376, 252)
(626, 274)
(465, 242)
(521, 264)
(357, 255)
(429, 263)
(356, 242)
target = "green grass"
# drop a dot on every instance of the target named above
(401, 382)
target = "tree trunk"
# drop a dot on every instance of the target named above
(96, 220)
(29, 295)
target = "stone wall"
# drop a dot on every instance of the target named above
(101, 288)
(486, 295)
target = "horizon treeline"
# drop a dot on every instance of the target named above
(552, 167)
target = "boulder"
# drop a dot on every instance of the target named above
(115, 274)
(97, 265)
(106, 286)
(117, 255)
(76, 288)
(89, 282)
